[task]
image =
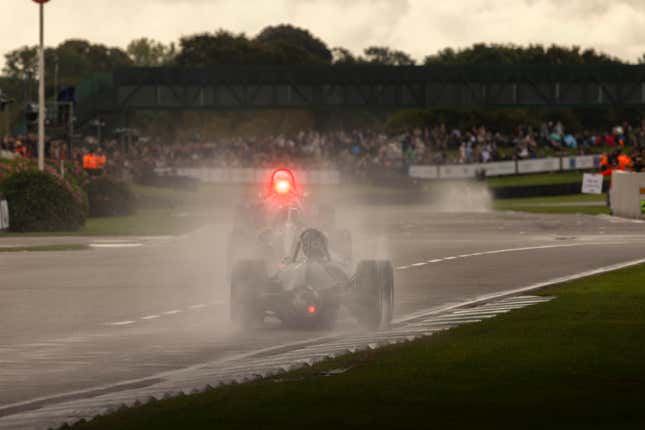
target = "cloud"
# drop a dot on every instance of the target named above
(420, 27)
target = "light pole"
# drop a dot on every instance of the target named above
(41, 87)
(98, 124)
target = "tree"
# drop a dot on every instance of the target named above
(485, 54)
(79, 59)
(299, 45)
(146, 52)
(222, 47)
(344, 57)
(21, 67)
(385, 56)
(21, 63)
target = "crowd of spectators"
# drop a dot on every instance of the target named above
(356, 150)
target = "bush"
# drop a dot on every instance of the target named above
(41, 201)
(109, 197)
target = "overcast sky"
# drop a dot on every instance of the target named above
(419, 27)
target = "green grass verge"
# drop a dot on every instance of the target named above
(143, 223)
(576, 362)
(535, 179)
(44, 248)
(577, 203)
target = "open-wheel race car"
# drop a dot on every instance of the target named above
(311, 289)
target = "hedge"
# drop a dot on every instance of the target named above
(42, 202)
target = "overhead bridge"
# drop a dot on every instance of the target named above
(370, 87)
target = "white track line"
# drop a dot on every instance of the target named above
(172, 312)
(199, 306)
(116, 245)
(150, 317)
(120, 323)
(494, 252)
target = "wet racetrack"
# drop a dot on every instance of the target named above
(83, 319)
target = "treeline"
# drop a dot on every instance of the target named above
(75, 59)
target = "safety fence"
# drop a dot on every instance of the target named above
(223, 175)
(506, 168)
(218, 175)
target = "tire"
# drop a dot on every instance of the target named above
(375, 293)
(247, 281)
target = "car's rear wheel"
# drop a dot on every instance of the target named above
(375, 293)
(247, 281)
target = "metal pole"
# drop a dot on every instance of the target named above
(56, 77)
(71, 131)
(98, 131)
(7, 120)
(41, 92)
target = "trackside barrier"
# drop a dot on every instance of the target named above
(248, 175)
(505, 168)
(4, 214)
(627, 193)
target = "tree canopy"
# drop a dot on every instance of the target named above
(484, 54)
(145, 52)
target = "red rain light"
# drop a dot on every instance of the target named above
(282, 181)
(311, 309)
(282, 186)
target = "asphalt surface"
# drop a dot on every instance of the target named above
(134, 307)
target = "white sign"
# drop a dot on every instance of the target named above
(424, 172)
(4, 215)
(592, 183)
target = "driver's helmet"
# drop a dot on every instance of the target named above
(314, 245)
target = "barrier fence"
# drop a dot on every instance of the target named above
(249, 175)
(222, 175)
(506, 168)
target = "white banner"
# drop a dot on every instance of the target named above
(538, 165)
(592, 184)
(4, 215)
(424, 172)
(505, 168)
(499, 168)
(458, 171)
(582, 162)
(462, 171)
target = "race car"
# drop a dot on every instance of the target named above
(311, 289)
(268, 227)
